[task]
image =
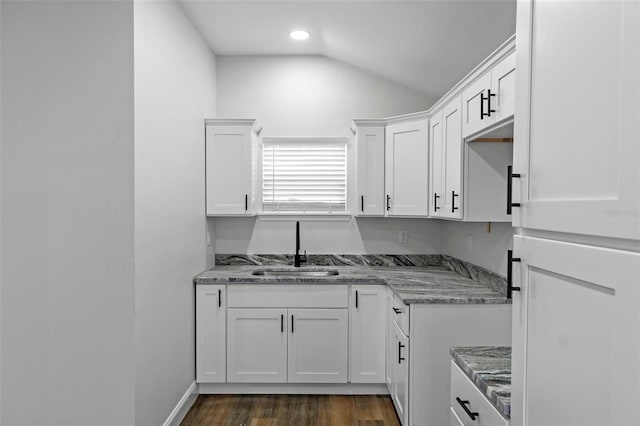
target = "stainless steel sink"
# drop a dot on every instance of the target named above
(295, 273)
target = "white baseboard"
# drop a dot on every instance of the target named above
(183, 406)
(294, 388)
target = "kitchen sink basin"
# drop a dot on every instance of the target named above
(296, 273)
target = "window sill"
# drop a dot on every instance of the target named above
(305, 217)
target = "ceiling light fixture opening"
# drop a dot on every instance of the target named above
(299, 34)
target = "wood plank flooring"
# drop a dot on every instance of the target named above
(292, 410)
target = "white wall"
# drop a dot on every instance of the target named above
(67, 213)
(174, 91)
(307, 95)
(486, 249)
(314, 96)
(355, 236)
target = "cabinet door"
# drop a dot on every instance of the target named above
(454, 420)
(318, 345)
(228, 169)
(437, 165)
(401, 388)
(452, 130)
(576, 332)
(472, 105)
(503, 84)
(367, 325)
(257, 346)
(577, 126)
(370, 164)
(390, 357)
(406, 169)
(210, 334)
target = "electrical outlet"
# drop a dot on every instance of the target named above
(403, 236)
(470, 242)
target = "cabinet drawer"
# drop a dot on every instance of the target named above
(287, 296)
(465, 390)
(401, 314)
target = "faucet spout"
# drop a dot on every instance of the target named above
(297, 259)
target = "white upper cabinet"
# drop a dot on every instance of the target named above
(578, 126)
(437, 165)
(474, 105)
(468, 179)
(452, 158)
(485, 181)
(445, 161)
(369, 193)
(490, 99)
(503, 85)
(231, 167)
(406, 167)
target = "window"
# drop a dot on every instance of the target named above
(304, 175)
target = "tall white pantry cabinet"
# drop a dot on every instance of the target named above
(576, 189)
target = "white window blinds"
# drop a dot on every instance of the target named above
(305, 175)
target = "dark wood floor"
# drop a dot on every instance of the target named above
(292, 410)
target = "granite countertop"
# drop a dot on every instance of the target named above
(420, 282)
(489, 368)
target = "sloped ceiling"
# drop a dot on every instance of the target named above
(426, 45)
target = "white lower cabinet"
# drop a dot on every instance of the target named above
(400, 394)
(454, 420)
(398, 355)
(287, 345)
(276, 333)
(576, 323)
(390, 367)
(318, 345)
(434, 329)
(210, 334)
(335, 334)
(468, 406)
(257, 346)
(367, 336)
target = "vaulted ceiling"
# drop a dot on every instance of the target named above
(427, 45)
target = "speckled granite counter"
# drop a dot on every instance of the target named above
(415, 279)
(489, 368)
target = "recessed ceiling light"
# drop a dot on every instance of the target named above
(299, 34)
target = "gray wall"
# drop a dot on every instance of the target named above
(67, 213)
(174, 92)
(314, 96)
(486, 249)
(308, 95)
